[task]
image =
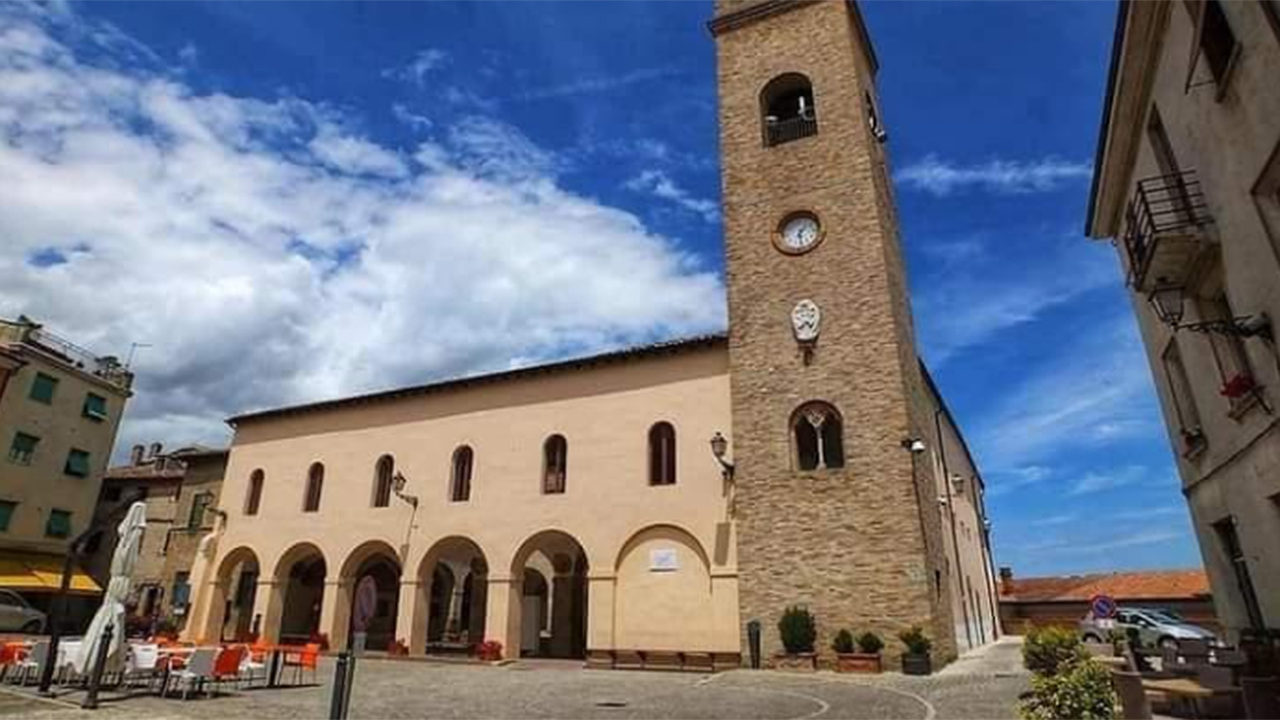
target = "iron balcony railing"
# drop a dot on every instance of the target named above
(782, 131)
(106, 367)
(1161, 207)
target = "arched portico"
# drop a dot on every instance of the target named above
(451, 601)
(230, 614)
(548, 610)
(377, 564)
(297, 595)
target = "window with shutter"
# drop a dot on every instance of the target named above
(77, 463)
(23, 448)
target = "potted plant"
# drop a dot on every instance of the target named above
(916, 661)
(398, 648)
(489, 651)
(865, 658)
(798, 631)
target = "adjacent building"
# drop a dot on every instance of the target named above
(1187, 186)
(1063, 600)
(647, 506)
(59, 411)
(181, 490)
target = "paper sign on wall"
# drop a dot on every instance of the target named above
(663, 560)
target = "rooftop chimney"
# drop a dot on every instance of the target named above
(1006, 580)
(136, 454)
(155, 451)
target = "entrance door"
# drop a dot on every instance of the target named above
(530, 624)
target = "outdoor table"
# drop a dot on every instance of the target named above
(1190, 690)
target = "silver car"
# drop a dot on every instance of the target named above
(17, 616)
(1156, 628)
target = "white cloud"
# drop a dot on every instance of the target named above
(1112, 479)
(269, 257)
(411, 118)
(941, 177)
(659, 184)
(417, 69)
(596, 84)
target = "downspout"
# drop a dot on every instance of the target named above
(951, 511)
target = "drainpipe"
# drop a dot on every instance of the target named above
(955, 538)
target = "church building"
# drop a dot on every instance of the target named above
(644, 507)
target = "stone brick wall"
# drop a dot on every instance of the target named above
(851, 543)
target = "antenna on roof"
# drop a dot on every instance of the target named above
(133, 347)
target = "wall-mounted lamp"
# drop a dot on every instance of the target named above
(1169, 304)
(719, 448)
(914, 445)
(398, 481)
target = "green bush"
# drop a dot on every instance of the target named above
(1080, 690)
(1046, 651)
(916, 641)
(843, 644)
(798, 630)
(870, 643)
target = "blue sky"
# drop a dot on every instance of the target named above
(292, 201)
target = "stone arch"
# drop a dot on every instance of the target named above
(451, 603)
(559, 556)
(378, 561)
(297, 594)
(664, 597)
(235, 586)
(788, 110)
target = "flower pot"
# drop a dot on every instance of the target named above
(913, 664)
(799, 662)
(858, 662)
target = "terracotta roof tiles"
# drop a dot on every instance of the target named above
(1149, 585)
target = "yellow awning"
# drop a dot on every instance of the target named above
(41, 573)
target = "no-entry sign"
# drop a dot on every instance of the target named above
(1103, 607)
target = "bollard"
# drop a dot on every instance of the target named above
(95, 673)
(753, 643)
(337, 702)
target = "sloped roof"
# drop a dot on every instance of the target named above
(1149, 585)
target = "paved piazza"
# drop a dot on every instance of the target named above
(985, 685)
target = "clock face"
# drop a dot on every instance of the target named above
(799, 233)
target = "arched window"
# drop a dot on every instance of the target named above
(662, 454)
(555, 454)
(253, 498)
(787, 109)
(460, 484)
(315, 485)
(382, 473)
(819, 437)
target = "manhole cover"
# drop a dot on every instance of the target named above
(610, 704)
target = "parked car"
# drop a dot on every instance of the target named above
(1156, 628)
(17, 616)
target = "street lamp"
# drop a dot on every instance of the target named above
(398, 481)
(719, 447)
(1169, 301)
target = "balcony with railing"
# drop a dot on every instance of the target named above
(778, 131)
(24, 332)
(1165, 225)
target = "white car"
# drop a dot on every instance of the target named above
(17, 616)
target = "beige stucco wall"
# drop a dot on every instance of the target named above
(1229, 144)
(42, 486)
(604, 412)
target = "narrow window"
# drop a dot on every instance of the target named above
(460, 485)
(23, 448)
(1226, 530)
(382, 474)
(662, 454)
(1228, 350)
(253, 498)
(315, 485)
(77, 463)
(200, 502)
(58, 525)
(555, 464)
(180, 597)
(95, 407)
(43, 388)
(787, 109)
(819, 437)
(1184, 403)
(6, 513)
(1217, 41)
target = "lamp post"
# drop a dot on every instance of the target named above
(719, 447)
(398, 481)
(1169, 304)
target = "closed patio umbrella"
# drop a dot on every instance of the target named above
(112, 611)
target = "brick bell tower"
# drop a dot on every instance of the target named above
(826, 387)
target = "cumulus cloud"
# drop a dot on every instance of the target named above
(940, 177)
(419, 67)
(270, 253)
(660, 185)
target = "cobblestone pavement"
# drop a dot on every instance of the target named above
(386, 689)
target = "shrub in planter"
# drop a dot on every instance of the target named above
(1048, 649)
(870, 643)
(862, 657)
(1080, 690)
(489, 651)
(843, 643)
(798, 632)
(916, 661)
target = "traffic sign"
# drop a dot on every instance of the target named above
(1103, 607)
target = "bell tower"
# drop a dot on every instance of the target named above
(827, 390)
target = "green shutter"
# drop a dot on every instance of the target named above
(95, 407)
(59, 525)
(6, 513)
(23, 448)
(42, 388)
(198, 505)
(77, 463)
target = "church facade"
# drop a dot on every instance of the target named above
(643, 507)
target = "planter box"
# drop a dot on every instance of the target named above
(858, 662)
(916, 664)
(800, 662)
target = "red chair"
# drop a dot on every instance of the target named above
(306, 659)
(226, 668)
(10, 654)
